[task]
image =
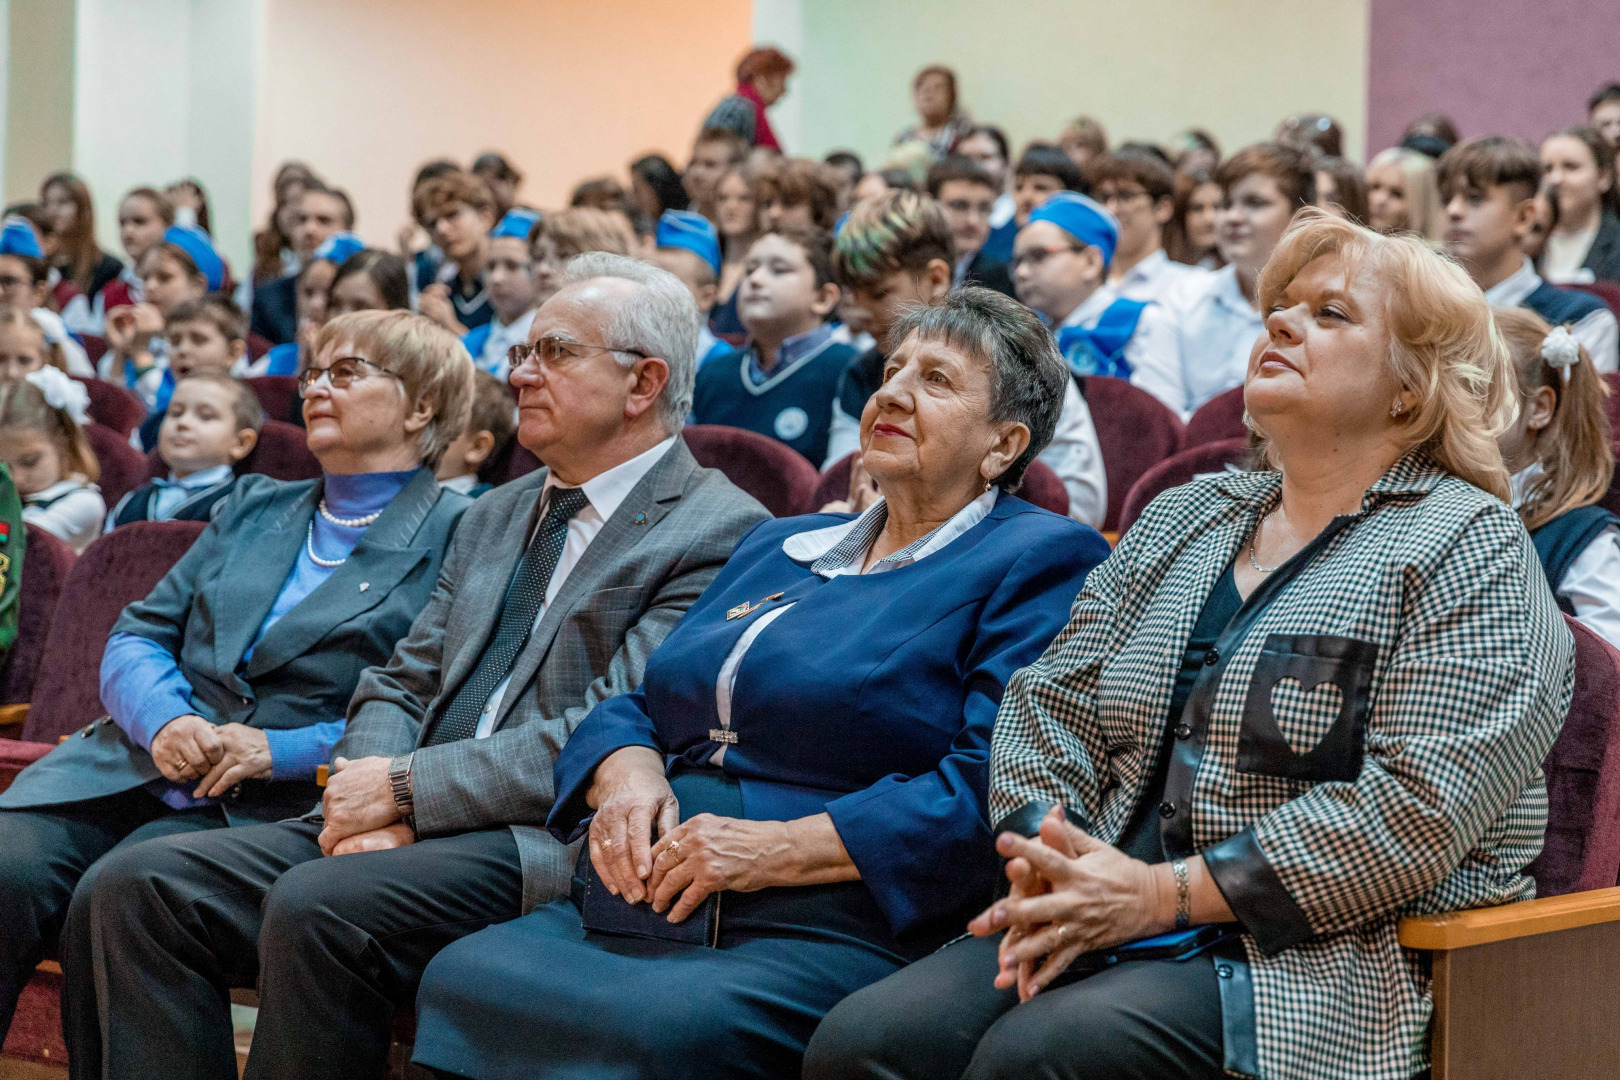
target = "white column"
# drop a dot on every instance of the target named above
(781, 23)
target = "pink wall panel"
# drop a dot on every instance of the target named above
(1502, 67)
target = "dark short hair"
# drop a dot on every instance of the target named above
(959, 170)
(735, 145)
(995, 135)
(1490, 161)
(1293, 169)
(1149, 171)
(1027, 376)
(244, 402)
(1317, 130)
(493, 163)
(816, 243)
(657, 173)
(1606, 93)
(1046, 159)
(847, 159)
(432, 170)
(216, 309)
(386, 271)
(895, 231)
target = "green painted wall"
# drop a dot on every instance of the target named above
(39, 94)
(1147, 68)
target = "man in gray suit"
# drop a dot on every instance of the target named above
(554, 592)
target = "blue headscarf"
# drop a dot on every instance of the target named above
(1084, 219)
(692, 231)
(196, 244)
(17, 237)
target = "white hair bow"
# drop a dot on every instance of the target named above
(62, 393)
(1560, 349)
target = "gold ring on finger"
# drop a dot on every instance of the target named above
(181, 765)
(675, 849)
(607, 842)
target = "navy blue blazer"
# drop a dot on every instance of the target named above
(871, 700)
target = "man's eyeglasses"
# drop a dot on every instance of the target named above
(1034, 257)
(341, 373)
(555, 354)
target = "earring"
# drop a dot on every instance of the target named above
(1400, 407)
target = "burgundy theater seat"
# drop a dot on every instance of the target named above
(112, 405)
(281, 454)
(123, 468)
(276, 393)
(1606, 291)
(775, 474)
(1221, 417)
(1041, 486)
(46, 563)
(1136, 432)
(512, 462)
(1178, 470)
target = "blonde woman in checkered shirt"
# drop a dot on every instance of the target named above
(1291, 707)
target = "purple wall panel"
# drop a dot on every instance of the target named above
(1497, 67)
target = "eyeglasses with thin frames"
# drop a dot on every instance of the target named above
(341, 373)
(556, 354)
(1036, 256)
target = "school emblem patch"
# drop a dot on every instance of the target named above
(791, 423)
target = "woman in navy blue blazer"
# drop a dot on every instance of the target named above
(793, 804)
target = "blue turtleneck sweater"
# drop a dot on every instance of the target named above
(143, 688)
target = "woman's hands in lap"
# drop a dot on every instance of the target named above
(1070, 894)
(709, 854)
(222, 755)
(630, 794)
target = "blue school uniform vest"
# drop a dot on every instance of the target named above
(1560, 542)
(199, 507)
(1559, 306)
(793, 405)
(1100, 350)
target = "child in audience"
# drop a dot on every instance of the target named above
(459, 211)
(1559, 454)
(1578, 167)
(1138, 188)
(1042, 172)
(212, 422)
(23, 347)
(182, 266)
(85, 269)
(514, 292)
(968, 196)
(572, 232)
(208, 334)
(25, 284)
(312, 287)
(714, 153)
(1341, 188)
(1489, 188)
(1216, 319)
(986, 146)
(143, 217)
(42, 440)
(1189, 236)
(688, 246)
(896, 251)
(1402, 194)
(1083, 139)
(490, 427)
(736, 218)
(796, 193)
(783, 382)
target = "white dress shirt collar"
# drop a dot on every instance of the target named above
(1092, 307)
(842, 549)
(202, 479)
(606, 490)
(1513, 290)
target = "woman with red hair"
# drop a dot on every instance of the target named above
(762, 78)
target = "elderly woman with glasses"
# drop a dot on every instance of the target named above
(792, 805)
(227, 686)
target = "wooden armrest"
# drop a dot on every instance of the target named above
(1481, 926)
(321, 773)
(1112, 538)
(13, 715)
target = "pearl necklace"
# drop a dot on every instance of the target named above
(351, 523)
(309, 546)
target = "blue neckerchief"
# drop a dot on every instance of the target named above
(791, 350)
(1100, 349)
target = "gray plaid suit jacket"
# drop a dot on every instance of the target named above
(650, 562)
(1366, 745)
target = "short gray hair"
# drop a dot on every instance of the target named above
(1027, 374)
(660, 319)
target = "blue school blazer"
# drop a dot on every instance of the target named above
(871, 700)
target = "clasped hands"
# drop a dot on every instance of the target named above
(691, 859)
(188, 748)
(1070, 894)
(358, 810)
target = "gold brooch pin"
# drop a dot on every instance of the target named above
(744, 609)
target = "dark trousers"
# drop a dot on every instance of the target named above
(941, 1018)
(45, 855)
(335, 945)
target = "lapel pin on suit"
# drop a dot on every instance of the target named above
(364, 585)
(641, 519)
(745, 609)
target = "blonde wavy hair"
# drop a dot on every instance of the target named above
(431, 363)
(1444, 344)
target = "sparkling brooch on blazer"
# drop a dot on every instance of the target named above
(745, 609)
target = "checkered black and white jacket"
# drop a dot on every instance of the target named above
(1365, 743)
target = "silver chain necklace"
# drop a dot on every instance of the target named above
(1254, 538)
